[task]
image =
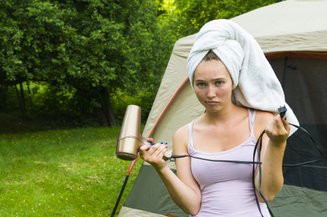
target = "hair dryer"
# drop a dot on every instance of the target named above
(130, 138)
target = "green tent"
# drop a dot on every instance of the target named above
(293, 35)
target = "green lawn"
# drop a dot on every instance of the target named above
(61, 173)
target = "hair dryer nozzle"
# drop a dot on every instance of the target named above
(130, 138)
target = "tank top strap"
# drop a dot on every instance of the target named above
(251, 119)
(251, 114)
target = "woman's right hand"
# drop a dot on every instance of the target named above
(278, 130)
(153, 154)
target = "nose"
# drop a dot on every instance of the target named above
(211, 92)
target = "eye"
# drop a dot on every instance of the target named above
(219, 83)
(201, 85)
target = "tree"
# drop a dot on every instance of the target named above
(185, 17)
(93, 47)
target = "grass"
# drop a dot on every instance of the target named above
(72, 172)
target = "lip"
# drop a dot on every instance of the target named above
(211, 102)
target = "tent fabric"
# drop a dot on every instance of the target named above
(163, 203)
(293, 35)
(293, 26)
(297, 201)
(126, 211)
(308, 80)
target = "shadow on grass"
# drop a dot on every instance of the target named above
(12, 123)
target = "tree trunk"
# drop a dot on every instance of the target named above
(102, 120)
(29, 94)
(21, 100)
(104, 114)
(107, 107)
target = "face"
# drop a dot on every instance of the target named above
(213, 85)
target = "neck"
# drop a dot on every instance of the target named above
(223, 116)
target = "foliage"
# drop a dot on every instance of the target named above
(185, 17)
(92, 47)
(7, 98)
(82, 40)
(121, 99)
(61, 173)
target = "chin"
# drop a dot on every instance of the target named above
(213, 109)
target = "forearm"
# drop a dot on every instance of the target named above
(272, 171)
(184, 196)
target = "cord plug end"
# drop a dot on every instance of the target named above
(282, 111)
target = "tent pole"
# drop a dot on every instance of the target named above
(130, 168)
(119, 196)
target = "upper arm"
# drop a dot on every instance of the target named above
(183, 165)
(261, 122)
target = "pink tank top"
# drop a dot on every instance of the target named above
(226, 188)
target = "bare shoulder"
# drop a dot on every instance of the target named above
(182, 131)
(180, 140)
(264, 115)
(262, 119)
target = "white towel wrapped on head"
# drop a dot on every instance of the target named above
(254, 81)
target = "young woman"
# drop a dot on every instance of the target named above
(226, 131)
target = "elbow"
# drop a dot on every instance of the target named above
(193, 211)
(278, 187)
(271, 189)
(270, 197)
(271, 194)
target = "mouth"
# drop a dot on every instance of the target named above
(211, 102)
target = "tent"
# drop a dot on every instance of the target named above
(293, 35)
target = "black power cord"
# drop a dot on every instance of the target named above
(259, 145)
(317, 146)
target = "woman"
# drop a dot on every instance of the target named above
(228, 130)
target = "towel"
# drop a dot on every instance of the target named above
(255, 84)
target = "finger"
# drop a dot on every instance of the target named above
(277, 122)
(156, 146)
(286, 125)
(282, 126)
(275, 126)
(150, 140)
(159, 153)
(145, 147)
(282, 122)
(150, 149)
(162, 149)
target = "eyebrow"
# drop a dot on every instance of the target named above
(215, 79)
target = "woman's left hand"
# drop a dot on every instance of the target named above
(278, 130)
